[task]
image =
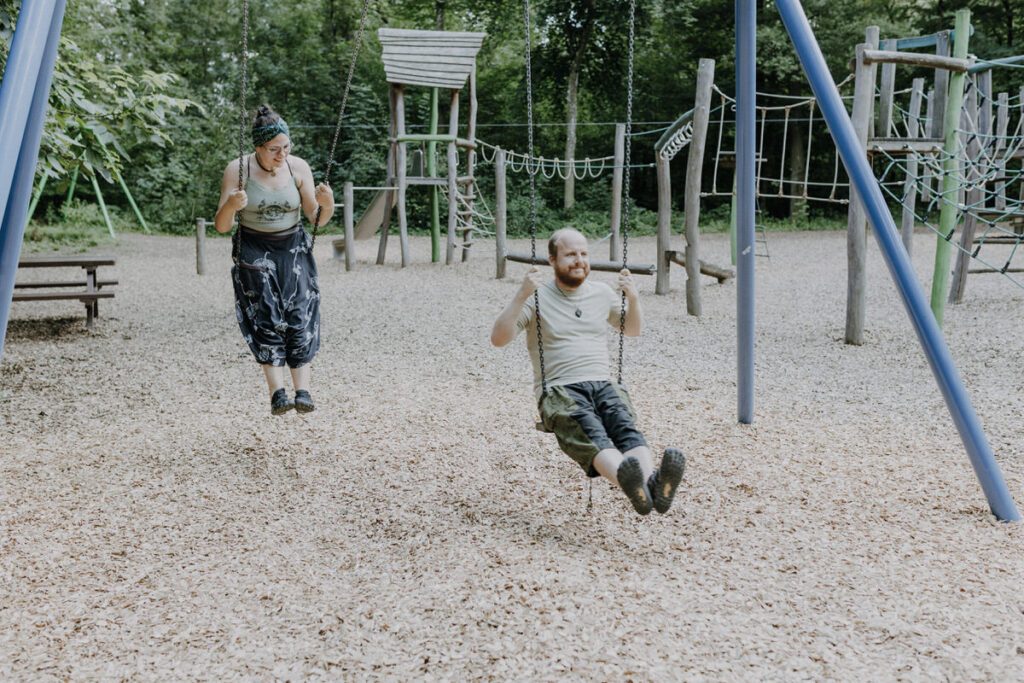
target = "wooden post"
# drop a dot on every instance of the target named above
(941, 88)
(1002, 121)
(470, 167)
(389, 195)
(453, 180)
(963, 136)
(907, 220)
(972, 176)
(888, 87)
(500, 212)
(984, 81)
(662, 283)
(1020, 183)
(694, 166)
(435, 191)
(984, 128)
(200, 246)
(614, 247)
(950, 185)
(856, 229)
(929, 132)
(350, 233)
(400, 161)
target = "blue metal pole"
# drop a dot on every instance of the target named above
(928, 332)
(19, 191)
(18, 84)
(746, 82)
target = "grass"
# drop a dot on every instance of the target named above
(74, 228)
(75, 239)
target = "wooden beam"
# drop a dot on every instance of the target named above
(720, 273)
(603, 266)
(917, 59)
(905, 145)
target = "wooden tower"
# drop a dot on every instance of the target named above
(440, 60)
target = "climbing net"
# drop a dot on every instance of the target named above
(789, 163)
(986, 167)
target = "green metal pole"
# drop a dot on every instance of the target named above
(71, 187)
(39, 193)
(435, 192)
(103, 205)
(950, 170)
(732, 221)
(131, 201)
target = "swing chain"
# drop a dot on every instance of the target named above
(242, 115)
(533, 191)
(341, 113)
(626, 177)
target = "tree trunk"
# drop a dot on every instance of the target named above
(569, 199)
(1008, 13)
(582, 38)
(439, 9)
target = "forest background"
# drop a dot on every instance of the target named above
(148, 90)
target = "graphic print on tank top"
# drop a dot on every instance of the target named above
(268, 212)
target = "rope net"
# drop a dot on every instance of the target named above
(795, 160)
(987, 164)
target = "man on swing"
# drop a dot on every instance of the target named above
(591, 415)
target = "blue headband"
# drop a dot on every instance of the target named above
(263, 134)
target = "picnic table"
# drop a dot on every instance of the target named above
(88, 290)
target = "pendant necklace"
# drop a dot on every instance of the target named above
(577, 312)
(271, 171)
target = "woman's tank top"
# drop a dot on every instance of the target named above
(270, 210)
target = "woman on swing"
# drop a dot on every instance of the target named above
(277, 294)
(591, 415)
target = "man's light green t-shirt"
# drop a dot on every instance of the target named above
(575, 347)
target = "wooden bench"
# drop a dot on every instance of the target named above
(88, 290)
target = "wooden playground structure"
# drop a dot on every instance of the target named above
(959, 125)
(440, 60)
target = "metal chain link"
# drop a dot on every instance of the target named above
(341, 114)
(533, 191)
(625, 178)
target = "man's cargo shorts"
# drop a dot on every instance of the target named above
(589, 417)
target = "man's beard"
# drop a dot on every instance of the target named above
(566, 277)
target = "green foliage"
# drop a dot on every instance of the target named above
(130, 72)
(98, 111)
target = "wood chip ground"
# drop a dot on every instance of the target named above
(156, 523)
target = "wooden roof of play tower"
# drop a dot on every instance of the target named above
(436, 59)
